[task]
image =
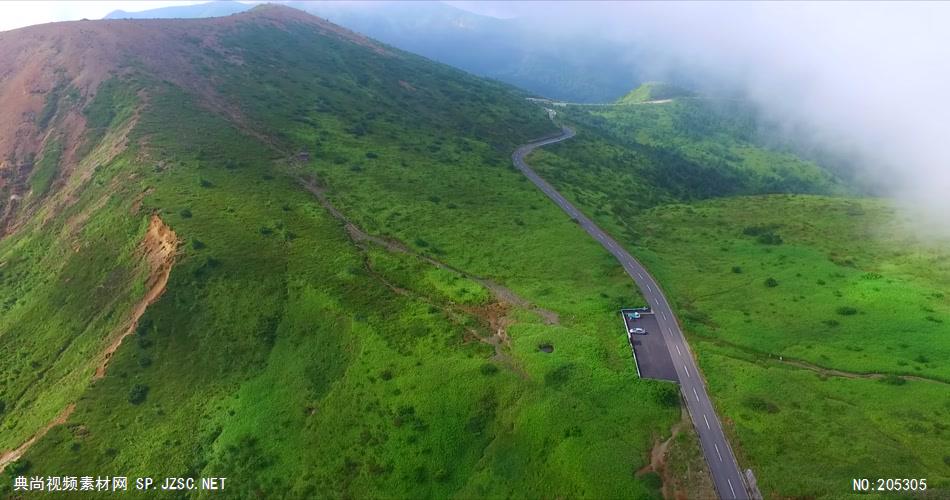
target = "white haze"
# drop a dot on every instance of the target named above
(868, 78)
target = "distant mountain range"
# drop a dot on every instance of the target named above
(210, 9)
(569, 68)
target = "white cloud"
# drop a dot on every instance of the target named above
(873, 77)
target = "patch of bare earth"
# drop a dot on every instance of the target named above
(14, 455)
(499, 292)
(680, 464)
(50, 72)
(495, 316)
(159, 249)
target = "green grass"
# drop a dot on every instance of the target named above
(46, 168)
(61, 291)
(295, 362)
(857, 293)
(653, 91)
(629, 158)
(819, 322)
(856, 290)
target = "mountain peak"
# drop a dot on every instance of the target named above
(52, 71)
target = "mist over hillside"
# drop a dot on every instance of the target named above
(867, 95)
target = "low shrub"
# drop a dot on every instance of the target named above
(894, 380)
(488, 369)
(846, 311)
(760, 405)
(138, 394)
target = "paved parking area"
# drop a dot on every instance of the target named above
(649, 351)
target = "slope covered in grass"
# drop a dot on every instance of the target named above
(820, 322)
(653, 91)
(396, 354)
(628, 158)
(828, 351)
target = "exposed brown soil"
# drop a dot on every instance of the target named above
(498, 291)
(658, 453)
(14, 455)
(692, 480)
(494, 315)
(158, 249)
(65, 62)
(501, 293)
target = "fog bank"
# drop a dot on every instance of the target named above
(868, 78)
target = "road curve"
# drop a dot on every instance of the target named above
(719, 457)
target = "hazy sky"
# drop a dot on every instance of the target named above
(16, 14)
(873, 76)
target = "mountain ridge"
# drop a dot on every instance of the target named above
(54, 70)
(510, 50)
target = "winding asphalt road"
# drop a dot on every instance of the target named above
(722, 463)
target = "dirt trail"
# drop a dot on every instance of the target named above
(804, 365)
(500, 292)
(658, 456)
(159, 251)
(494, 315)
(14, 455)
(674, 486)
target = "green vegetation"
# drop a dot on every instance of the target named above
(46, 168)
(112, 105)
(289, 354)
(653, 91)
(836, 367)
(368, 300)
(638, 157)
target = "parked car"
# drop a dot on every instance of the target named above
(638, 331)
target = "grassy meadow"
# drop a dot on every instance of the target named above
(820, 321)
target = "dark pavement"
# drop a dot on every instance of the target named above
(649, 349)
(718, 453)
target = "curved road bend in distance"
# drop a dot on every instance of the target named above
(722, 463)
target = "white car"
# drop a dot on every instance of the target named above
(638, 331)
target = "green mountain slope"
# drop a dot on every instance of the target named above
(629, 158)
(393, 353)
(819, 321)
